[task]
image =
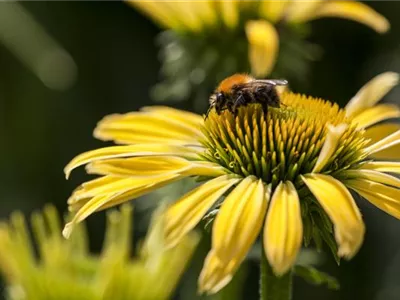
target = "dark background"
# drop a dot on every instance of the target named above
(116, 57)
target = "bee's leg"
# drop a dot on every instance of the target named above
(273, 98)
(240, 100)
(265, 108)
(267, 96)
(231, 110)
(221, 110)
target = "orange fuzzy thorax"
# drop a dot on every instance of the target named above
(236, 79)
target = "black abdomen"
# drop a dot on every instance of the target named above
(265, 95)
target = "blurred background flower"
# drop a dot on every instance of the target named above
(113, 48)
(67, 270)
(206, 41)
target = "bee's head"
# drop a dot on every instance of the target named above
(217, 98)
(217, 101)
(220, 97)
(213, 99)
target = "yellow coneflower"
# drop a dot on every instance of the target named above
(287, 171)
(255, 18)
(66, 269)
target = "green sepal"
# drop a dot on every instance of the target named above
(318, 227)
(307, 231)
(316, 235)
(324, 227)
(330, 241)
(316, 277)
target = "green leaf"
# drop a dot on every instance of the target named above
(316, 277)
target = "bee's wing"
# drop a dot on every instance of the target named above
(273, 82)
(263, 82)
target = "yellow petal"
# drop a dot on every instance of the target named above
(301, 11)
(217, 274)
(263, 46)
(272, 10)
(330, 145)
(385, 143)
(382, 166)
(138, 166)
(338, 203)
(154, 166)
(133, 194)
(206, 12)
(115, 193)
(154, 243)
(157, 260)
(69, 227)
(372, 92)
(116, 185)
(135, 136)
(178, 15)
(283, 231)
(110, 184)
(352, 10)
(193, 14)
(92, 185)
(204, 168)
(157, 125)
(128, 151)
(184, 215)
(239, 220)
(189, 118)
(158, 11)
(377, 133)
(373, 176)
(229, 12)
(376, 114)
(384, 197)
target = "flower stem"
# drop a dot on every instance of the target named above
(273, 287)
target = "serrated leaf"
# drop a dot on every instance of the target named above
(316, 277)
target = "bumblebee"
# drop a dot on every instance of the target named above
(242, 89)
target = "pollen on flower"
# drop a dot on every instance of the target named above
(282, 144)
